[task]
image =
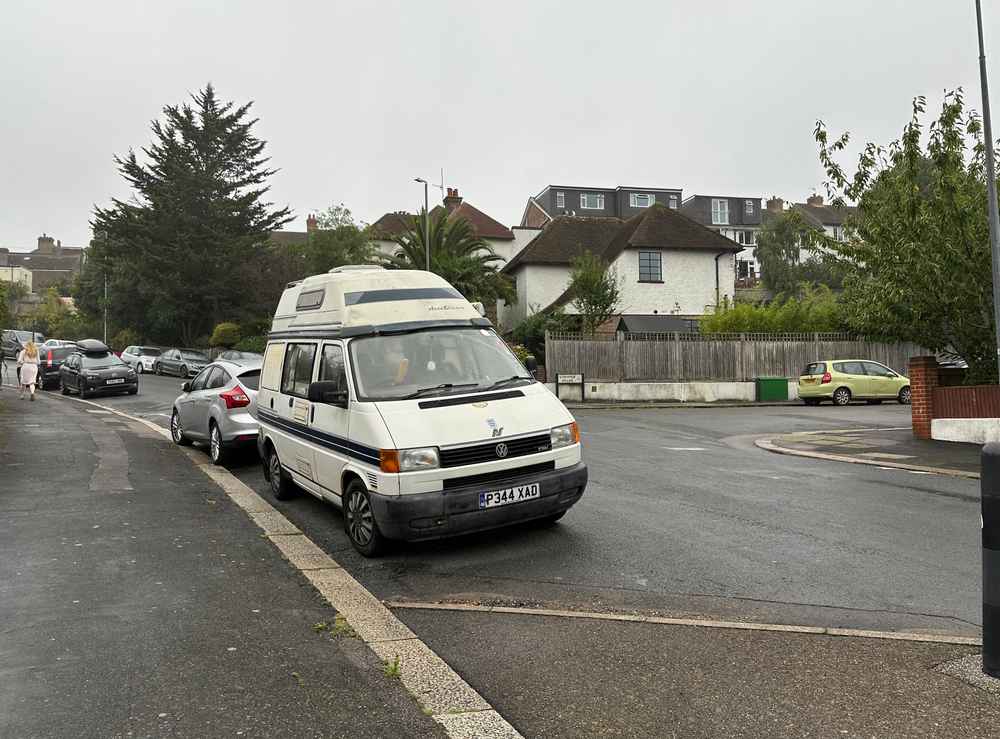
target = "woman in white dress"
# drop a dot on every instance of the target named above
(27, 362)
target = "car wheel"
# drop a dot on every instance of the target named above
(811, 401)
(874, 402)
(359, 521)
(133, 391)
(841, 396)
(905, 396)
(62, 387)
(282, 486)
(176, 431)
(216, 451)
(138, 368)
(157, 370)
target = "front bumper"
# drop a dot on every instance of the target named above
(451, 512)
(129, 385)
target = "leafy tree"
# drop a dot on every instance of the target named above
(530, 332)
(124, 338)
(225, 334)
(457, 254)
(175, 253)
(791, 252)
(921, 269)
(337, 241)
(594, 289)
(10, 293)
(816, 310)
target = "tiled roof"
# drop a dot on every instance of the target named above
(32, 261)
(393, 224)
(288, 238)
(825, 215)
(566, 238)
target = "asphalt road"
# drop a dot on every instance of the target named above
(683, 515)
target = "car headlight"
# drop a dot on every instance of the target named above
(421, 458)
(566, 435)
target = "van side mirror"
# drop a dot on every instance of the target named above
(531, 364)
(329, 392)
(186, 387)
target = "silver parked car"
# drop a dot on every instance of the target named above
(219, 407)
(141, 358)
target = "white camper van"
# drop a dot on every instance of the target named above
(386, 392)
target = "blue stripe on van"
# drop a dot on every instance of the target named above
(330, 441)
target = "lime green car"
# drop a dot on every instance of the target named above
(843, 380)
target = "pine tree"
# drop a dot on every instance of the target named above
(176, 254)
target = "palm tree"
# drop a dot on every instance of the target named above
(457, 254)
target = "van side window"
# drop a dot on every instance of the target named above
(271, 373)
(297, 374)
(310, 300)
(332, 365)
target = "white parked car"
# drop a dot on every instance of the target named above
(141, 358)
(387, 393)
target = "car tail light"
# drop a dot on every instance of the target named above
(827, 378)
(48, 358)
(235, 398)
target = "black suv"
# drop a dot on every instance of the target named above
(94, 368)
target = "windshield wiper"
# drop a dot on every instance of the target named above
(504, 381)
(442, 386)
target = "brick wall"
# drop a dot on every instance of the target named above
(923, 381)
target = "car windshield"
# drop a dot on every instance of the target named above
(147, 352)
(194, 355)
(251, 380)
(432, 362)
(101, 361)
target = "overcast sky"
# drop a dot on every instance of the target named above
(357, 99)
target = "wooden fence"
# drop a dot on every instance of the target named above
(678, 357)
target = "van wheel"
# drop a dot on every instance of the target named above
(282, 486)
(841, 396)
(905, 396)
(359, 521)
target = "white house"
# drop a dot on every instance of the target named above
(668, 266)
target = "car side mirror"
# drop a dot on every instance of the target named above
(531, 364)
(186, 387)
(329, 392)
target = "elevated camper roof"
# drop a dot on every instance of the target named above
(358, 299)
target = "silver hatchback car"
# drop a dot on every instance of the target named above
(218, 406)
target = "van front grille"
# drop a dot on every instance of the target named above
(494, 450)
(500, 476)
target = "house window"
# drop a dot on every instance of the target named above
(561, 200)
(641, 199)
(748, 205)
(591, 201)
(720, 211)
(650, 267)
(746, 238)
(838, 233)
(673, 202)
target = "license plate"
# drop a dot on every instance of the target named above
(120, 381)
(507, 496)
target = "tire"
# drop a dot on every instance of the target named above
(184, 371)
(157, 369)
(282, 486)
(216, 450)
(359, 521)
(133, 391)
(62, 387)
(176, 431)
(874, 402)
(905, 396)
(138, 368)
(842, 396)
(811, 401)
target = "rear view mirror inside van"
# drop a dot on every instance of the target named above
(329, 392)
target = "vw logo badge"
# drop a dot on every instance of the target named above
(501, 450)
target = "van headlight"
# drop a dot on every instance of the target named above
(566, 435)
(421, 458)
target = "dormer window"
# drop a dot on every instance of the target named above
(591, 201)
(641, 199)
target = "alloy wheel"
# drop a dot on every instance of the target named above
(842, 396)
(905, 396)
(215, 444)
(360, 522)
(175, 427)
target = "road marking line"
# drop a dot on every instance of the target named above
(455, 705)
(685, 448)
(700, 622)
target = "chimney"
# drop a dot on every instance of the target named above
(46, 244)
(452, 200)
(775, 204)
(311, 224)
(815, 200)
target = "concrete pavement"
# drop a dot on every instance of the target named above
(137, 600)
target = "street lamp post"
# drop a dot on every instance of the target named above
(427, 226)
(991, 183)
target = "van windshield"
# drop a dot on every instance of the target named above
(433, 362)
